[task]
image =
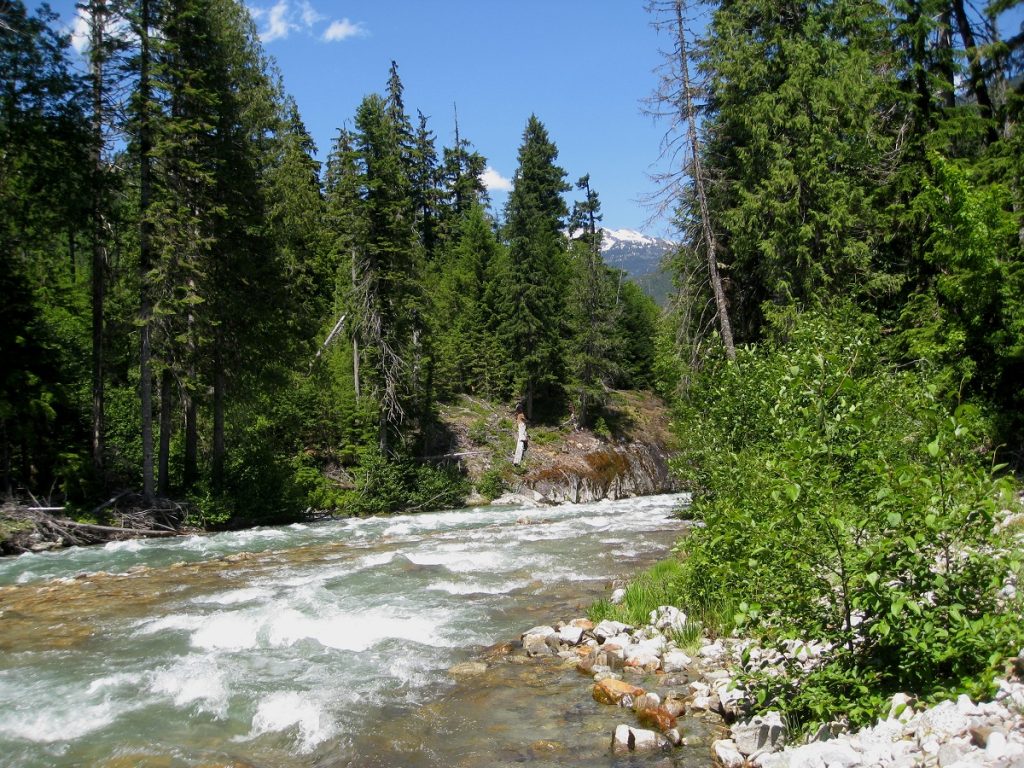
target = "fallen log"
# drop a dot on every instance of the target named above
(115, 529)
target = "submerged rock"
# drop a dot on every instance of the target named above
(468, 669)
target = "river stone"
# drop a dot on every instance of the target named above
(675, 661)
(674, 704)
(608, 628)
(620, 640)
(763, 732)
(655, 717)
(618, 596)
(627, 739)
(726, 753)
(571, 635)
(468, 669)
(647, 701)
(944, 721)
(610, 691)
(536, 645)
(901, 707)
(668, 618)
(543, 630)
(642, 656)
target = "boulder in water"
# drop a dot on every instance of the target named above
(611, 691)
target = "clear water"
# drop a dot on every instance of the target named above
(313, 645)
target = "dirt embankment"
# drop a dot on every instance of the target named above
(625, 453)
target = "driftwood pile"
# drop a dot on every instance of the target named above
(25, 528)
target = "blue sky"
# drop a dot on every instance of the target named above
(582, 66)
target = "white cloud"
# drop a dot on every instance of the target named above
(495, 181)
(343, 30)
(310, 15)
(279, 26)
(286, 16)
(80, 30)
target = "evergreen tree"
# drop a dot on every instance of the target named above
(387, 266)
(593, 309)
(795, 141)
(44, 190)
(532, 307)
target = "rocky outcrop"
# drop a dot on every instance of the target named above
(607, 472)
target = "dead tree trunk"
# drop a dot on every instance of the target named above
(145, 250)
(163, 482)
(689, 114)
(97, 55)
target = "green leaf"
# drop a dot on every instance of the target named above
(933, 448)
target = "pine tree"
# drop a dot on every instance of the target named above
(387, 266)
(795, 143)
(532, 308)
(592, 308)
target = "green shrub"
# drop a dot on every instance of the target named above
(491, 484)
(845, 500)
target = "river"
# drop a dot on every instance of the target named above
(315, 645)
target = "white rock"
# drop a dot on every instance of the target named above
(825, 753)
(763, 732)
(571, 635)
(619, 641)
(713, 650)
(668, 618)
(542, 630)
(996, 746)
(901, 708)
(944, 721)
(727, 754)
(618, 595)
(608, 628)
(704, 702)
(627, 739)
(966, 707)
(675, 661)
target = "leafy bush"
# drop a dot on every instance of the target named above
(491, 484)
(845, 500)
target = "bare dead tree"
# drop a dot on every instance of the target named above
(680, 149)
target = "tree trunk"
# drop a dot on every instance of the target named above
(355, 336)
(190, 472)
(145, 251)
(979, 87)
(163, 483)
(219, 383)
(98, 16)
(708, 234)
(944, 46)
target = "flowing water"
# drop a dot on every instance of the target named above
(315, 645)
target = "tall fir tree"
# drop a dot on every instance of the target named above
(532, 306)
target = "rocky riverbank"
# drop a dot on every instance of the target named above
(665, 687)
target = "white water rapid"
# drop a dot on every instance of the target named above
(290, 646)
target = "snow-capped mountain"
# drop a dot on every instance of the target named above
(612, 238)
(640, 256)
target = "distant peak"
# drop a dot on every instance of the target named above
(627, 237)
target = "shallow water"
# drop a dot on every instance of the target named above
(318, 645)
